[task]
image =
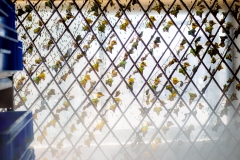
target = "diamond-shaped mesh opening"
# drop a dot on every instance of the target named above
(170, 155)
(177, 146)
(235, 155)
(215, 155)
(110, 141)
(133, 79)
(215, 129)
(40, 110)
(157, 146)
(227, 141)
(123, 131)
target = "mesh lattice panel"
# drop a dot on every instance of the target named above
(131, 79)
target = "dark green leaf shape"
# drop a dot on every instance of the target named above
(192, 32)
(209, 29)
(169, 88)
(122, 64)
(233, 97)
(197, 40)
(48, 4)
(196, 51)
(225, 88)
(213, 60)
(102, 28)
(215, 127)
(174, 12)
(224, 112)
(28, 8)
(238, 86)
(192, 97)
(20, 12)
(135, 45)
(151, 50)
(37, 30)
(212, 52)
(30, 49)
(230, 80)
(130, 51)
(237, 32)
(78, 38)
(157, 40)
(69, 15)
(184, 41)
(199, 12)
(229, 57)
(182, 70)
(134, 2)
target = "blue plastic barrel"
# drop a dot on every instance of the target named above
(29, 155)
(16, 134)
(11, 57)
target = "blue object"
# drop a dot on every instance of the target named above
(11, 57)
(29, 155)
(16, 134)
